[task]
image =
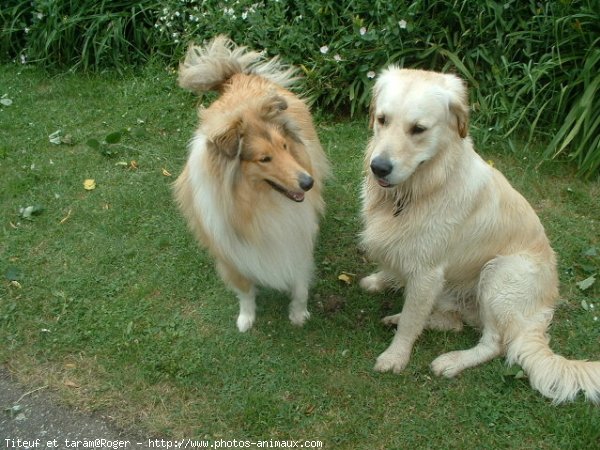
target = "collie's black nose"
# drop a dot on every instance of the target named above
(305, 181)
(381, 166)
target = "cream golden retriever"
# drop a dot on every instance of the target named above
(466, 246)
(251, 189)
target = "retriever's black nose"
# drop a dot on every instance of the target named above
(381, 166)
(306, 182)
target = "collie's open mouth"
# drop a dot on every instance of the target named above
(295, 196)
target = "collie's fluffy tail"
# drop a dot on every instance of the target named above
(208, 67)
(552, 375)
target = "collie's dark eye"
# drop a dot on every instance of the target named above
(381, 120)
(265, 159)
(417, 129)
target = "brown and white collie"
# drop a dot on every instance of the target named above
(251, 189)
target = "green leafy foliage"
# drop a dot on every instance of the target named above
(532, 66)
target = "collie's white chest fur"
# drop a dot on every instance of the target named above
(284, 232)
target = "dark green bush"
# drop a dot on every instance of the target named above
(77, 33)
(532, 65)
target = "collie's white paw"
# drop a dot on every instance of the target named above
(390, 362)
(245, 322)
(298, 318)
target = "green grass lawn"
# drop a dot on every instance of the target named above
(106, 298)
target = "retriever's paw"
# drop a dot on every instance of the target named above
(392, 320)
(298, 318)
(245, 322)
(446, 365)
(390, 362)
(373, 282)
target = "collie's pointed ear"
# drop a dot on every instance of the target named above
(227, 139)
(273, 105)
(459, 104)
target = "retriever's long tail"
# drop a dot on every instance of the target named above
(553, 375)
(208, 67)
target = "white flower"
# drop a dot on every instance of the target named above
(337, 57)
(324, 49)
(26, 30)
(245, 15)
(402, 24)
(362, 31)
(23, 59)
(371, 74)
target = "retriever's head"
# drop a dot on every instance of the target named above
(414, 115)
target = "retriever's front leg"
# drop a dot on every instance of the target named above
(420, 294)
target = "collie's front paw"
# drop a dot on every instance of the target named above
(391, 362)
(245, 322)
(298, 318)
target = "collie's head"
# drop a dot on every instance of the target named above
(415, 115)
(262, 143)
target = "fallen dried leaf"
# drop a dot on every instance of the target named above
(55, 138)
(346, 277)
(166, 173)
(71, 384)
(64, 219)
(89, 184)
(587, 283)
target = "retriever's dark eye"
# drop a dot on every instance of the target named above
(417, 129)
(265, 159)
(285, 146)
(381, 120)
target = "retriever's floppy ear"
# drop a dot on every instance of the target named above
(372, 107)
(459, 104)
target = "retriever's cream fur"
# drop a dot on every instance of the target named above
(251, 190)
(466, 246)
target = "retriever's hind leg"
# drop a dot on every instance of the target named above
(438, 320)
(452, 363)
(509, 287)
(444, 317)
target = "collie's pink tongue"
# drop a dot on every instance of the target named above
(383, 183)
(296, 196)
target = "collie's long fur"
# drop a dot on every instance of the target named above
(251, 188)
(466, 246)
